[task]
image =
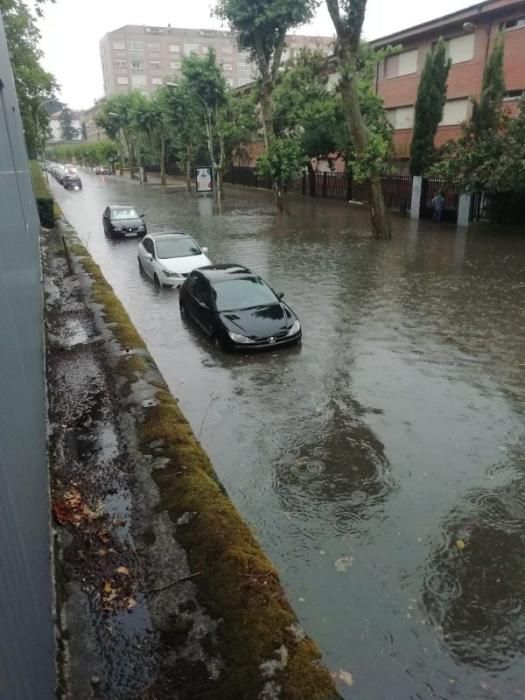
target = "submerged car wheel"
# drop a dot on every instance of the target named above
(157, 281)
(182, 309)
(141, 268)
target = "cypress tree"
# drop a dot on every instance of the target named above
(431, 98)
(486, 112)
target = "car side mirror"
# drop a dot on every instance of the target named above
(141, 216)
(280, 295)
(150, 257)
(205, 249)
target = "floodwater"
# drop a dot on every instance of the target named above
(381, 464)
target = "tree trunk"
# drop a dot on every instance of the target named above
(359, 133)
(162, 161)
(267, 110)
(188, 168)
(120, 164)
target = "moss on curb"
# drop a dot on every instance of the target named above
(260, 640)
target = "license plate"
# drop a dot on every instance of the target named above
(129, 235)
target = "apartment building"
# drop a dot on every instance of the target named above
(469, 35)
(89, 117)
(143, 58)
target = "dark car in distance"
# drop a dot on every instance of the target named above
(237, 309)
(123, 221)
(71, 181)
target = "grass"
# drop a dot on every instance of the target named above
(41, 187)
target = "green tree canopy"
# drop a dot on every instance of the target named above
(486, 111)
(34, 85)
(431, 98)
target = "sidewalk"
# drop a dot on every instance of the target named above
(162, 590)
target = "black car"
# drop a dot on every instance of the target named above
(123, 221)
(71, 181)
(236, 308)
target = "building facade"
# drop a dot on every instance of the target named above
(93, 132)
(469, 35)
(143, 58)
(55, 126)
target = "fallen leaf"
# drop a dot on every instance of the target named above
(460, 544)
(345, 677)
(73, 498)
(130, 603)
(119, 522)
(122, 570)
(343, 563)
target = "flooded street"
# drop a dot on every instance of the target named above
(382, 463)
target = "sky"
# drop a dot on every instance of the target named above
(71, 31)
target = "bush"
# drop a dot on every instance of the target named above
(45, 206)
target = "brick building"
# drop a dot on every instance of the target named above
(469, 35)
(143, 58)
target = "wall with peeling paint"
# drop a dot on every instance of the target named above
(26, 630)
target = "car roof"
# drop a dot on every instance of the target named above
(175, 234)
(122, 206)
(222, 273)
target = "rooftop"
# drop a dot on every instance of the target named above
(481, 11)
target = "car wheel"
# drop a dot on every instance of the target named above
(219, 343)
(157, 281)
(182, 309)
(141, 267)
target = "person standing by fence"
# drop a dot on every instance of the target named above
(438, 203)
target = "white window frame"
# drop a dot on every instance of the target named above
(156, 81)
(175, 48)
(122, 80)
(155, 65)
(119, 45)
(456, 122)
(468, 40)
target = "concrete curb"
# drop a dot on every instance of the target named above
(263, 651)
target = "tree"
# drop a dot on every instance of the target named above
(84, 131)
(185, 124)
(348, 22)
(282, 161)
(34, 85)
(430, 102)
(116, 118)
(68, 132)
(261, 27)
(206, 85)
(486, 110)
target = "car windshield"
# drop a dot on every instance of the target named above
(176, 248)
(124, 213)
(244, 293)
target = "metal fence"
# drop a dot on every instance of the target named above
(397, 189)
(27, 658)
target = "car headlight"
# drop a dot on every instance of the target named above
(240, 338)
(172, 274)
(295, 328)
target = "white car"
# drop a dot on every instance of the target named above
(168, 258)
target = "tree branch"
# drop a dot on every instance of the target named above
(333, 9)
(278, 52)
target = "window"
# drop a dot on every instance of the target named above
(227, 66)
(153, 47)
(183, 247)
(176, 65)
(401, 64)
(122, 213)
(174, 48)
(135, 46)
(155, 65)
(244, 56)
(138, 81)
(244, 81)
(120, 63)
(461, 48)
(245, 68)
(119, 45)
(401, 117)
(155, 30)
(512, 95)
(190, 48)
(455, 112)
(512, 24)
(137, 64)
(149, 247)
(156, 81)
(236, 294)
(122, 80)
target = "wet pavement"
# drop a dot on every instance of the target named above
(381, 464)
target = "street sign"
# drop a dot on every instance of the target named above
(204, 179)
